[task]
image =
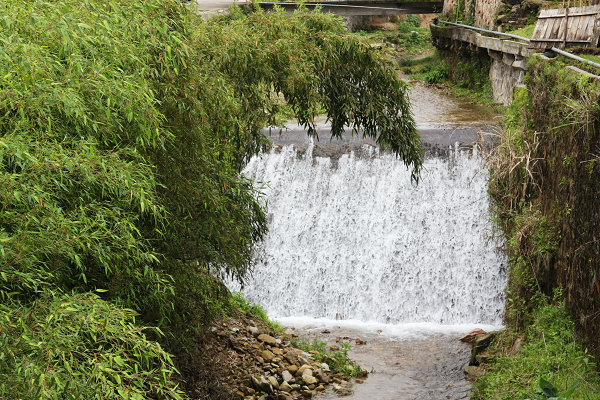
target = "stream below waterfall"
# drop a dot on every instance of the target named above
(355, 250)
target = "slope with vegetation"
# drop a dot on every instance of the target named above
(123, 127)
(545, 178)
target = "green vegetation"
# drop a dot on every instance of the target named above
(123, 128)
(464, 76)
(545, 185)
(550, 353)
(526, 31)
(408, 40)
(238, 302)
(338, 360)
(80, 347)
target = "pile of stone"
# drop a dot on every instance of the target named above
(275, 368)
(480, 341)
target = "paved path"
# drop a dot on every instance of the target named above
(212, 6)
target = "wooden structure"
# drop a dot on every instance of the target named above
(567, 27)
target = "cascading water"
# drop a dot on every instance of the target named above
(358, 240)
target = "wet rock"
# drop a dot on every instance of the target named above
(482, 358)
(484, 339)
(474, 372)
(343, 390)
(480, 344)
(306, 393)
(268, 339)
(284, 396)
(470, 337)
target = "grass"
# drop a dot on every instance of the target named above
(239, 302)
(338, 360)
(526, 31)
(550, 352)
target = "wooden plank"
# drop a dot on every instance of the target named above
(560, 40)
(540, 26)
(580, 32)
(572, 28)
(570, 15)
(587, 28)
(558, 29)
(548, 28)
(583, 28)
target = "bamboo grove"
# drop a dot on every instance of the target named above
(123, 128)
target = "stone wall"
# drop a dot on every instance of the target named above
(485, 13)
(484, 16)
(504, 79)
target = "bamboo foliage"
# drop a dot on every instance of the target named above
(123, 128)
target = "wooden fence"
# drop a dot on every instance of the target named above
(567, 27)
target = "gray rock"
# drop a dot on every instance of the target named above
(287, 376)
(303, 368)
(285, 387)
(268, 339)
(273, 381)
(262, 384)
(253, 330)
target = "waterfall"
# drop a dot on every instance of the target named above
(355, 239)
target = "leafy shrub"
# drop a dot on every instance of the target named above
(547, 391)
(80, 347)
(436, 73)
(414, 20)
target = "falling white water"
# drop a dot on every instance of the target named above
(359, 241)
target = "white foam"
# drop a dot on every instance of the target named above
(395, 331)
(361, 242)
